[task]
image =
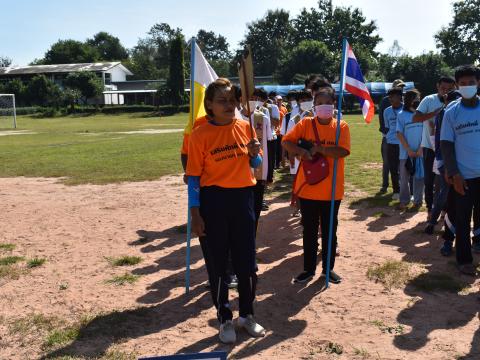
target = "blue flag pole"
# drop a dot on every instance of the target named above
(335, 161)
(192, 110)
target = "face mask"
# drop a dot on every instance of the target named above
(468, 92)
(293, 103)
(307, 105)
(253, 105)
(324, 111)
(259, 103)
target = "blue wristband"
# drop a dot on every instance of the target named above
(256, 161)
(193, 191)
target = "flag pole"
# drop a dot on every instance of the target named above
(247, 91)
(192, 121)
(335, 162)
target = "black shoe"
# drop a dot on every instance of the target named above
(303, 277)
(429, 229)
(383, 190)
(233, 283)
(334, 277)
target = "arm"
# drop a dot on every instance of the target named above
(295, 150)
(198, 225)
(336, 152)
(404, 143)
(381, 117)
(421, 117)
(450, 161)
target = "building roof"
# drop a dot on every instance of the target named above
(62, 68)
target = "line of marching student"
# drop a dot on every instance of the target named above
(227, 170)
(431, 147)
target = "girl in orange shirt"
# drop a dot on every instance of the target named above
(220, 181)
(315, 200)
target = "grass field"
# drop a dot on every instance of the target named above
(94, 149)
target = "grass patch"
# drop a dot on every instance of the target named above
(7, 246)
(125, 260)
(11, 272)
(392, 274)
(92, 149)
(121, 280)
(430, 282)
(333, 348)
(397, 329)
(10, 260)
(59, 337)
(38, 322)
(35, 262)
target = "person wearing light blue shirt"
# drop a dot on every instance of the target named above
(428, 108)
(409, 134)
(390, 115)
(460, 145)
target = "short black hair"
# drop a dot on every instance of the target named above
(321, 83)
(395, 91)
(466, 70)
(302, 94)
(292, 94)
(410, 95)
(272, 94)
(260, 93)
(311, 78)
(326, 90)
(446, 79)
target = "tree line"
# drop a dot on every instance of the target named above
(289, 48)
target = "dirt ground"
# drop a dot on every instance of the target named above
(76, 229)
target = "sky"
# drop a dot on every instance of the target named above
(29, 27)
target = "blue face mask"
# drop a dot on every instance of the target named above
(468, 92)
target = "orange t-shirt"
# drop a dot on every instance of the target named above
(218, 154)
(327, 134)
(198, 122)
(283, 111)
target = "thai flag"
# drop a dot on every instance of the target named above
(355, 84)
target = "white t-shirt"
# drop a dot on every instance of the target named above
(429, 104)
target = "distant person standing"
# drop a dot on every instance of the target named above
(385, 103)
(429, 107)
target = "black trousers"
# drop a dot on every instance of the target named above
(278, 151)
(258, 193)
(314, 214)
(393, 155)
(464, 205)
(230, 229)
(271, 159)
(428, 159)
(385, 168)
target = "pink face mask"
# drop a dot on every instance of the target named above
(324, 111)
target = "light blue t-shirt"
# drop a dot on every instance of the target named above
(412, 131)
(390, 119)
(429, 104)
(461, 125)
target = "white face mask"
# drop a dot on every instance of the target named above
(306, 105)
(468, 92)
(324, 111)
(293, 103)
(252, 104)
(259, 103)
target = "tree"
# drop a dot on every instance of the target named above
(44, 92)
(142, 62)
(108, 47)
(16, 87)
(89, 85)
(309, 57)
(268, 38)
(176, 76)
(70, 52)
(5, 61)
(161, 35)
(459, 42)
(216, 50)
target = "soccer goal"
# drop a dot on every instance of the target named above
(8, 112)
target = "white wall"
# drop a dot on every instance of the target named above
(117, 74)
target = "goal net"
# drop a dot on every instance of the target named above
(8, 114)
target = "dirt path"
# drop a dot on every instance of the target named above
(77, 228)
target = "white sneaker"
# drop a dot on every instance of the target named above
(396, 196)
(227, 333)
(251, 326)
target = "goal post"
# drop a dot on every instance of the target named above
(8, 111)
